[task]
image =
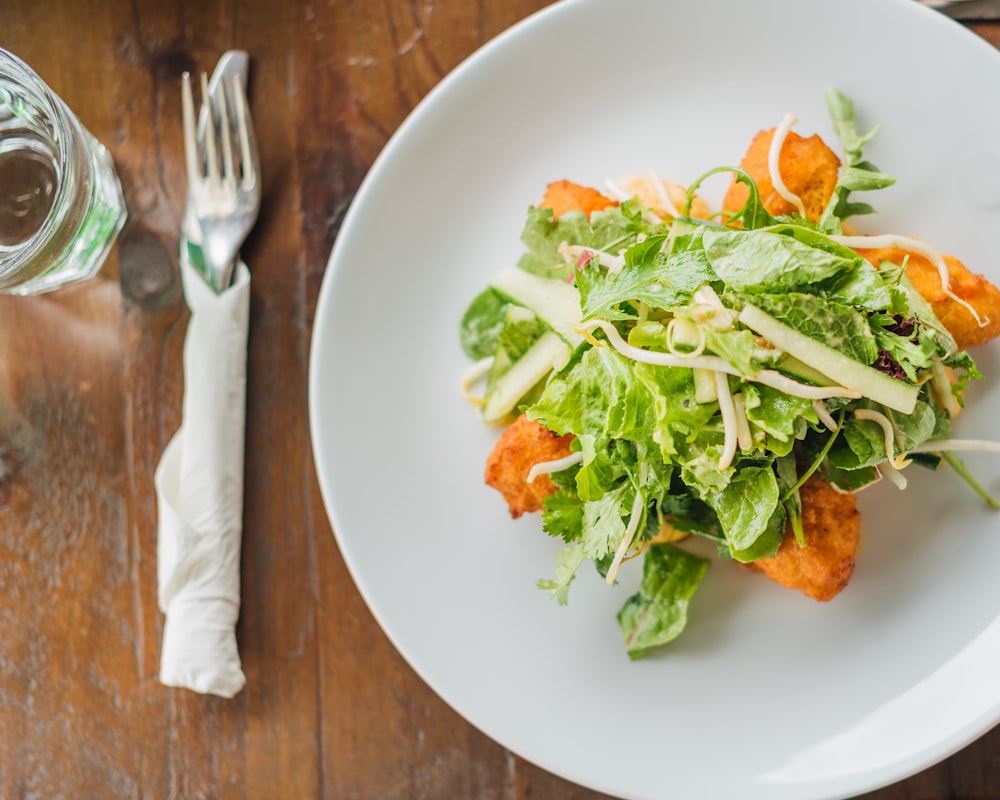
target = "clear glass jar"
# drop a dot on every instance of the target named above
(61, 204)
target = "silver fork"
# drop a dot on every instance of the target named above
(223, 180)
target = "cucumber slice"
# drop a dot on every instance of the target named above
(548, 353)
(890, 392)
(790, 365)
(556, 303)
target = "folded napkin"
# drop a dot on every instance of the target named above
(199, 492)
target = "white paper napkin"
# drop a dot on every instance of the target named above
(199, 492)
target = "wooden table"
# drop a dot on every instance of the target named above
(90, 393)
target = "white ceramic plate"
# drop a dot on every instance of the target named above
(767, 694)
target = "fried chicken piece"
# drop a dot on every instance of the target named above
(974, 289)
(831, 524)
(646, 191)
(563, 196)
(808, 169)
(524, 444)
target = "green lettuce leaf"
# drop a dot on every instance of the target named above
(652, 276)
(598, 396)
(778, 415)
(677, 417)
(611, 230)
(479, 330)
(763, 261)
(745, 508)
(658, 612)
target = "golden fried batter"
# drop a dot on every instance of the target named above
(524, 444)
(563, 196)
(831, 524)
(973, 289)
(808, 169)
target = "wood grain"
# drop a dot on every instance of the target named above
(90, 393)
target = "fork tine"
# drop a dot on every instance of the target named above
(228, 168)
(211, 154)
(190, 138)
(242, 114)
